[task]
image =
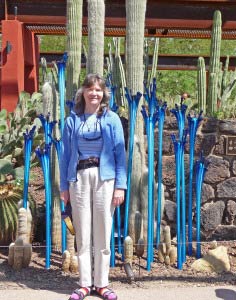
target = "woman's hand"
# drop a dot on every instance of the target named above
(65, 197)
(118, 197)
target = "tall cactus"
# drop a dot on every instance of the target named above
(74, 42)
(154, 61)
(120, 80)
(201, 84)
(135, 18)
(214, 64)
(96, 18)
(50, 105)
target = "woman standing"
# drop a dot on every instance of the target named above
(93, 180)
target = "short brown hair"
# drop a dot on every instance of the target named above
(90, 80)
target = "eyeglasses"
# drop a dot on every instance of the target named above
(91, 136)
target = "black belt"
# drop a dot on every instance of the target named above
(88, 163)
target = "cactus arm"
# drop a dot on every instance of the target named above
(155, 60)
(201, 84)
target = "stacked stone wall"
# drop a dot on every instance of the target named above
(218, 203)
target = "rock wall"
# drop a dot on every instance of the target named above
(218, 210)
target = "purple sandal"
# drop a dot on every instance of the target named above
(80, 294)
(106, 293)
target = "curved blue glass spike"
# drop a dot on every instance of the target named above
(29, 134)
(144, 112)
(178, 148)
(108, 80)
(154, 114)
(160, 115)
(179, 113)
(150, 97)
(112, 102)
(193, 124)
(200, 167)
(133, 102)
(28, 141)
(47, 126)
(44, 158)
(57, 144)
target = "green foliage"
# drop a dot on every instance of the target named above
(52, 43)
(172, 84)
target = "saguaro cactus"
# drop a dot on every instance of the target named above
(96, 17)
(74, 42)
(214, 64)
(135, 17)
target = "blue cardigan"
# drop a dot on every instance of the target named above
(113, 156)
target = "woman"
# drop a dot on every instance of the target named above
(93, 179)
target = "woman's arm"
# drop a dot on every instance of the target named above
(120, 155)
(65, 157)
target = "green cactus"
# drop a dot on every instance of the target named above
(153, 73)
(74, 42)
(10, 195)
(201, 84)
(96, 17)
(118, 74)
(214, 65)
(146, 60)
(16, 123)
(135, 24)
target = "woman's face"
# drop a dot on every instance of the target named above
(93, 97)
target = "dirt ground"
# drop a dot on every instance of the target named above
(37, 277)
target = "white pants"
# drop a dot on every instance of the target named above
(92, 211)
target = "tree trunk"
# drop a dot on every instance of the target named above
(74, 42)
(135, 18)
(96, 18)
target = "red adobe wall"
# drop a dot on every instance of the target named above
(19, 70)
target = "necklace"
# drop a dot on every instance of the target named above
(92, 125)
(86, 122)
